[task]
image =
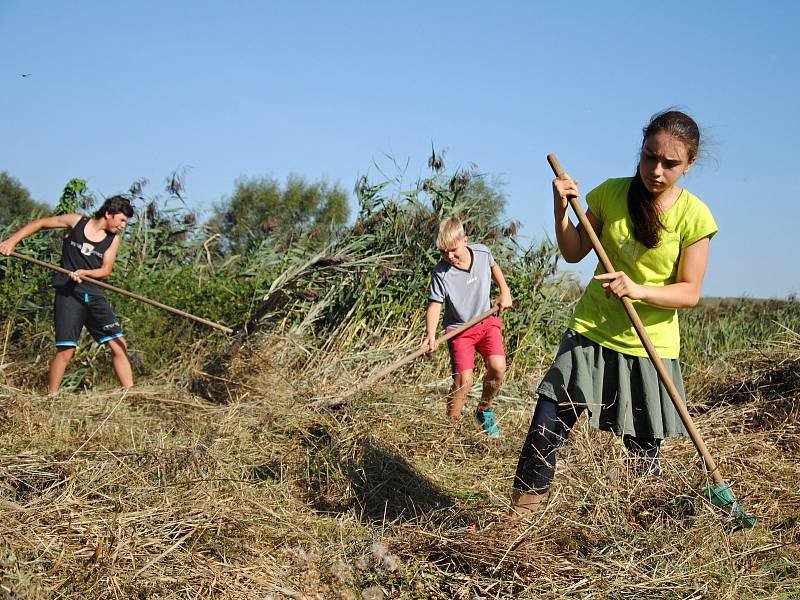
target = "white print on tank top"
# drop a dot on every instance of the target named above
(86, 249)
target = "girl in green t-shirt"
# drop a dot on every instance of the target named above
(657, 234)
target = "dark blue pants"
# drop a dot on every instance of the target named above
(550, 426)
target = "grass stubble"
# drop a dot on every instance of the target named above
(157, 493)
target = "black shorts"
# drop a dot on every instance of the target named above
(75, 309)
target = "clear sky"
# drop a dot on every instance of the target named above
(119, 91)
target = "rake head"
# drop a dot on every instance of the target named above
(722, 496)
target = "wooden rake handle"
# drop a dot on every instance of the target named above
(407, 359)
(117, 290)
(694, 434)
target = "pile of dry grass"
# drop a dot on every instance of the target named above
(156, 493)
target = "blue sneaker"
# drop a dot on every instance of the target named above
(488, 422)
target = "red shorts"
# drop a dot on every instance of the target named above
(485, 337)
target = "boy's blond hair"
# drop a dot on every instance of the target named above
(450, 232)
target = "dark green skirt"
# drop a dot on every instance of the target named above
(623, 393)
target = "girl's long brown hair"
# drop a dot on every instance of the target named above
(644, 213)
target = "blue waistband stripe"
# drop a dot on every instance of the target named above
(66, 343)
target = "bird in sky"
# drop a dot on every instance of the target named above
(25, 74)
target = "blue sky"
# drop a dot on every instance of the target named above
(232, 89)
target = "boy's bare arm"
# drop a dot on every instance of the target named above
(53, 222)
(504, 301)
(431, 324)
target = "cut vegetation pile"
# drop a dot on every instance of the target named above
(157, 493)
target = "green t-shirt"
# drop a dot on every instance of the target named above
(603, 319)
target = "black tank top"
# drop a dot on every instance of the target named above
(80, 253)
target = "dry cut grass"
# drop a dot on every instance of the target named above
(157, 493)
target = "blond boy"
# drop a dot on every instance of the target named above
(462, 282)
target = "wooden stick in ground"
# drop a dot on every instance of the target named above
(117, 290)
(702, 449)
(342, 399)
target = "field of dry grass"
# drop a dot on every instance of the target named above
(158, 493)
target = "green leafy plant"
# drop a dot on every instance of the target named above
(75, 198)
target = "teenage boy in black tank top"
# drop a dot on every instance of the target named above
(89, 250)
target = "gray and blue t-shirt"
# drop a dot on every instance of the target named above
(465, 294)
